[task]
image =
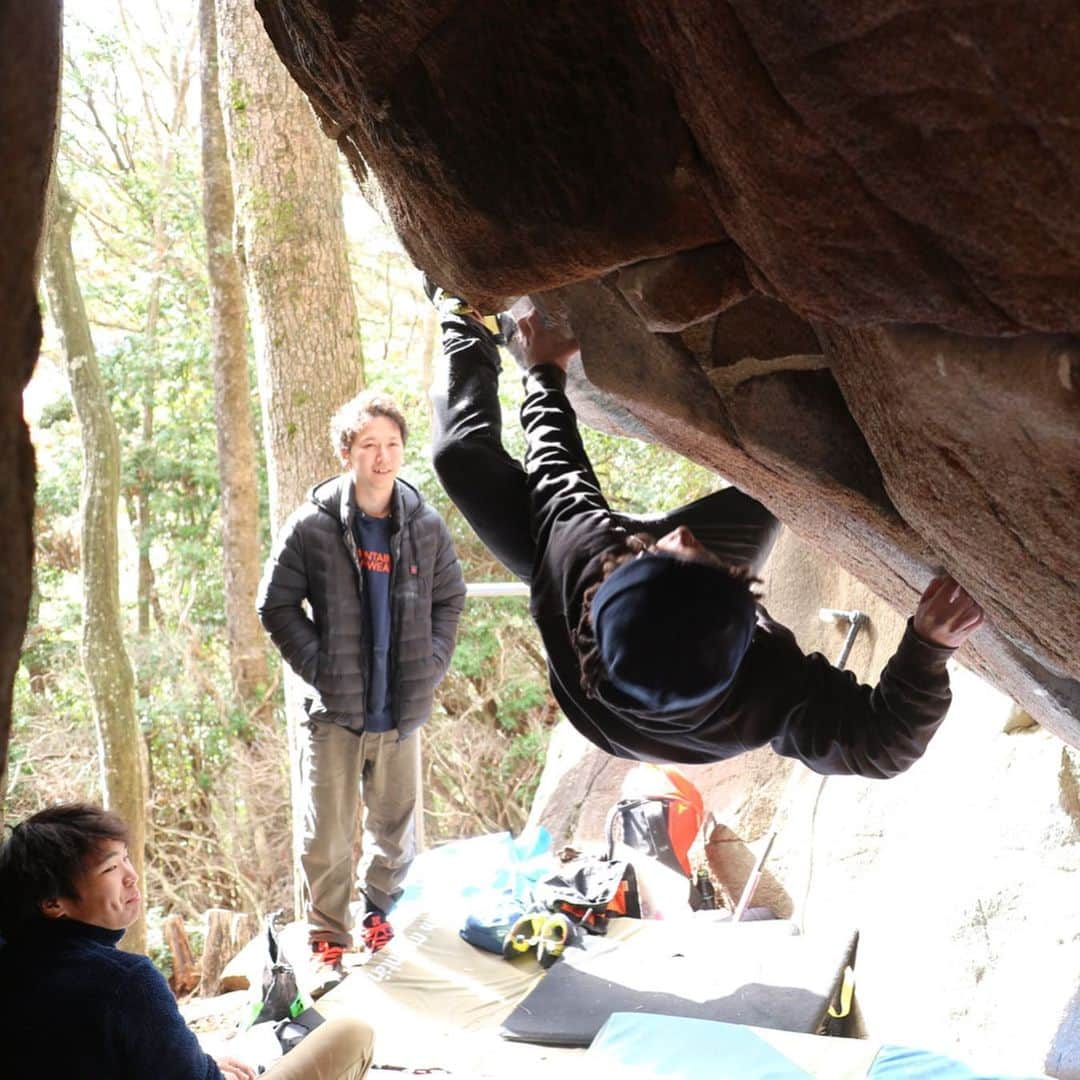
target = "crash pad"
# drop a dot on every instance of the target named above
(748, 973)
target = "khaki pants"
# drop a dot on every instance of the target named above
(340, 1049)
(339, 769)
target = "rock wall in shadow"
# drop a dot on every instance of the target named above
(29, 93)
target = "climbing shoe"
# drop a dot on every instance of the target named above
(501, 327)
(325, 968)
(556, 933)
(524, 935)
(378, 933)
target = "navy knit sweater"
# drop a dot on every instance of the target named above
(75, 1007)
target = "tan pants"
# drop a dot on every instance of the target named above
(340, 1049)
(340, 772)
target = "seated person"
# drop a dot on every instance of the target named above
(81, 1008)
(657, 647)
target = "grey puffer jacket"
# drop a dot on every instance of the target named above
(314, 559)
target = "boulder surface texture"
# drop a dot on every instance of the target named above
(829, 249)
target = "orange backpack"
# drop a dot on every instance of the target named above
(660, 813)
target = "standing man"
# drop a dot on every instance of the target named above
(377, 567)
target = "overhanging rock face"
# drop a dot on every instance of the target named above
(831, 250)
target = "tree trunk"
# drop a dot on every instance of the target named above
(36, 670)
(105, 659)
(292, 248)
(227, 932)
(181, 75)
(29, 96)
(142, 529)
(232, 394)
(185, 972)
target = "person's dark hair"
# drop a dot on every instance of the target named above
(356, 412)
(43, 855)
(583, 637)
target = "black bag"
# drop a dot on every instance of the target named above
(291, 1031)
(645, 828)
(281, 999)
(588, 889)
(660, 814)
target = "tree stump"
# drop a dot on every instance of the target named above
(185, 976)
(227, 932)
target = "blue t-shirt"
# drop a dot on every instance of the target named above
(372, 536)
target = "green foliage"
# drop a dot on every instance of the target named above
(478, 643)
(521, 696)
(641, 478)
(56, 412)
(53, 750)
(237, 98)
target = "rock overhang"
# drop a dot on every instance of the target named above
(831, 247)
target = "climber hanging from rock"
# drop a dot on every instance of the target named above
(658, 648)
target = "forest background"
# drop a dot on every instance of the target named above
(214, 750)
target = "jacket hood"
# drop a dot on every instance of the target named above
(335, 496)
